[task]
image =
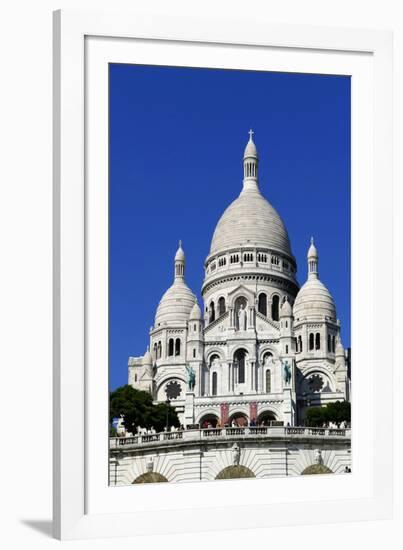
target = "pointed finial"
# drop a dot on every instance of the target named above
(251, 132)
(312, 240)
(180, 243)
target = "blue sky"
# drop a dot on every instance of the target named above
(176, 143)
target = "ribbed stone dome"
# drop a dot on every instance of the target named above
(250, 220)
(313, 301)
(175, 305)
(286, 309)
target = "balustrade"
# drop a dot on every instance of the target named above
(233, 432)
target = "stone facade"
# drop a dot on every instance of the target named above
(206, 455)
(262, 349)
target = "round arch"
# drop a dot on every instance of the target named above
(240, 418)
(161, 394)
(208, 418)
(267, 351)
(213, 352)
(265, 417)
(241, 347)
(328, 380)
(235, 472)
(316, 469)
(151, 477)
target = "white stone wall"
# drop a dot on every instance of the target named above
(265, 460)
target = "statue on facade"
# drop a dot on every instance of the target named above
(150, 464)
(287, 373)
(191, 377)
(318, 456)
(236, 454)
(242, 317)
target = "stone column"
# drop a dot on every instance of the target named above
(200, 379)
(189, 408)
(231, 377)
(252, 375)
(231, 318)
(251, 320)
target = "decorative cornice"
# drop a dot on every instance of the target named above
(278, 281)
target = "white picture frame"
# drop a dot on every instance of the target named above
(84, 506)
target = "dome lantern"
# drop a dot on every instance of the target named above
(313, 260)
(180, 262)
(250, 164)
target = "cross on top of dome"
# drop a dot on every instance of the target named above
(250, 149)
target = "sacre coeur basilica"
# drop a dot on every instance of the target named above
(255, 356)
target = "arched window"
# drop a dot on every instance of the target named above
(311, 341)
(333, 344)
(171, 347)
(214, 384)
(262, 303)
(155, 348)
(296, 345)
(213, 359)
(159, 349)
(212, 312)
(194, 352)
(286, 349)
(329, 343)
(275, 310)
(266, 357)
(268, 381)
(300, 343)
(240, 363)
(135, 377)
(317, 341)
(178, 346)
(221, 306)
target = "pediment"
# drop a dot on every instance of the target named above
(241, 290)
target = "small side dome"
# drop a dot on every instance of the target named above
(175, 305)
(147, 358)
(195, 314)
(178, 301)
(286, 309)
(314, 301)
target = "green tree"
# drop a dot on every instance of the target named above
(315, 416)
(337, 412)
(138, 409)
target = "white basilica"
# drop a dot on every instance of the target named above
(263, 349)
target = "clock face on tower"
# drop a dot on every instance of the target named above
(173, 390)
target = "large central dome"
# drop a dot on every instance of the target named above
(250, 221)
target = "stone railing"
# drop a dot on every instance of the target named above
(284, 432)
